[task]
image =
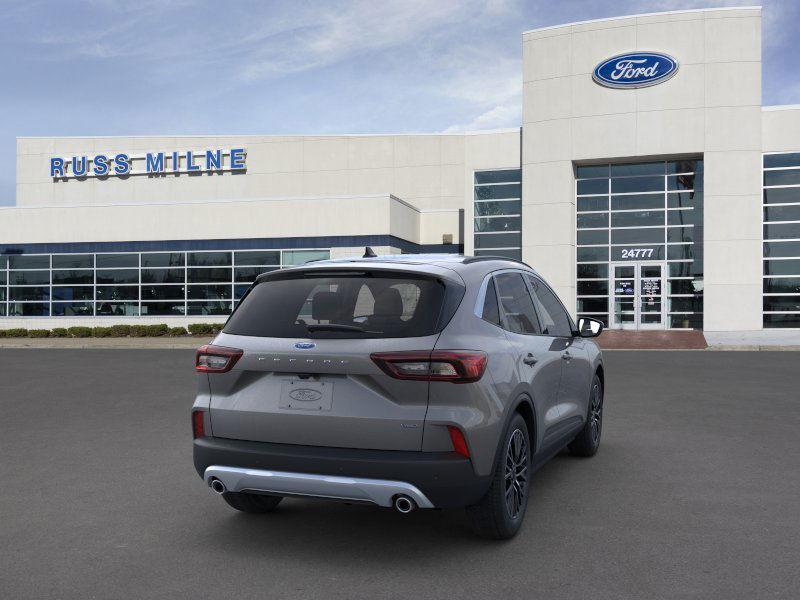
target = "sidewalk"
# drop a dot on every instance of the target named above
(608, 340)
(166, 343)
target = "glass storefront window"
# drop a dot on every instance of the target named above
(209, 259)
(781, 248)
(112, 261)
(497, 210)
(33, 261)
(638, 213)
(163, 259)
(108, 284)
(73, 261)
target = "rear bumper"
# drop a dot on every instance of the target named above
(446, 479)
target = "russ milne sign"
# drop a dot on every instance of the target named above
(635, 70)
(151, 163)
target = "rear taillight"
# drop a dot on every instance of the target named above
(455, 366)
(198, 424)
(216, 359)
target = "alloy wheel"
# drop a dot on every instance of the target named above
(596, 413)
(516, 473)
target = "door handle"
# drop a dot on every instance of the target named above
(530, 360)
(566, 355)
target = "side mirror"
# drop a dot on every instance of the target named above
(589, 328)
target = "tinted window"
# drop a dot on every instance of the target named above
(497, 176)
(73, 261)
(491, 311)
(374, 306)
(555, 320)
(163, 259)
(108, 261)
(29, 262)
(498, 192)
(516, 304)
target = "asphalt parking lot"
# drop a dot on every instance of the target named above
(695, 493)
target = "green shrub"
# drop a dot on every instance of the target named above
(101, 332)
(60, 332)
(80, 332)
(138, 330)
(120, 330)
(157, 330)
(176, 331)
(17, 332)
(38, 333)
(199, 328)
(2, 333)
(217, 327)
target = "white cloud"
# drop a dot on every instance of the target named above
(497, 117)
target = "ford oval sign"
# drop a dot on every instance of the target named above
(635, 70)
(305, 345)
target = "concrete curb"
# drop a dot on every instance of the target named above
(167, 343)
(191, 343)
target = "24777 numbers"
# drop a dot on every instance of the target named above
(637, 252)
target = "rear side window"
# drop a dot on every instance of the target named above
(491, 311)
(555, 320)
(516, 305)
(361, 305)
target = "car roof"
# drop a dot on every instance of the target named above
(461, 264)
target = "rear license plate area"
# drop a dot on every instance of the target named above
(304, 394)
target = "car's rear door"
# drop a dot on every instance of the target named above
(322, 388)
(576, 372)
(538, 363)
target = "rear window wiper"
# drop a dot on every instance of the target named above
(336, 327)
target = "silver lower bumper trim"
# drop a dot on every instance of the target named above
(377, 491)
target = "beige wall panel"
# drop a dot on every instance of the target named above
(590, 45)
(681, 39)
(603, 136)
(547, 57)
(547, 99)
(655, 132)
(370, 152)
(733, 38)
(684, 90)
(590, 99)
(417, 150)
(781, 130)
(325, 154)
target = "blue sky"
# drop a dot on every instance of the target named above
(152, 67)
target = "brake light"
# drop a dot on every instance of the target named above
(459, 443)
(198, 424)
(216, 359)
(455, 366)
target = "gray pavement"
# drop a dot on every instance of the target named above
(695, 493)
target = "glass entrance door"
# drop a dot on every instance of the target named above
(637, 295)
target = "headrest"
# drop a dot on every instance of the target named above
(388, 303)
(325, 306)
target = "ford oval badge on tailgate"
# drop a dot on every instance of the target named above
(305, 345)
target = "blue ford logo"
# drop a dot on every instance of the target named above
(305, 345)
(635, 70)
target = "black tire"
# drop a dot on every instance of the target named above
(252, 503)
(587, 441)
(500, 512)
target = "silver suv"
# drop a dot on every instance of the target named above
(413, 381)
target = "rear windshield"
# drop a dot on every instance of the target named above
(361, 305)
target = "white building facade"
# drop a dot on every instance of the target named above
(647, 183)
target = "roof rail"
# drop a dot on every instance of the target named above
(472, 259)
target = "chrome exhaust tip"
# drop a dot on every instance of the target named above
(404, 504)
(217, 486)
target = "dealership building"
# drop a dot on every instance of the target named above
(646, 183)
